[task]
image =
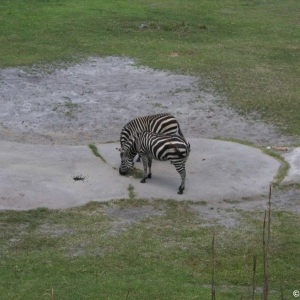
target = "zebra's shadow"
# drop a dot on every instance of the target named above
(164, 175)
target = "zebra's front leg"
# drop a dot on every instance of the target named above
(149, 166)
(145, 164)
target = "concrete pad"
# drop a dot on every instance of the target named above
(34, 176)
(293, 158)
(215, 170)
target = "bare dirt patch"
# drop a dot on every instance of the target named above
(90, 102)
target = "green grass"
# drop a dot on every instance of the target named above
(96, 152)
(136, 173)
(131, 192)
(88, 253)
(247, 50)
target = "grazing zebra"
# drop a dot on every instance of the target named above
(158, 146)
(163, 123)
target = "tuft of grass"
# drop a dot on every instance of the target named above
(68, 108)
(156, 104)
(131, 192)
(284, 168)
(136, 173)
(287, 186)
(96, 153)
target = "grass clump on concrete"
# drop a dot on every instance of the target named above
(95, 152)
(136, 173)
(131, 192)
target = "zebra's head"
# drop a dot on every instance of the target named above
(127, 154)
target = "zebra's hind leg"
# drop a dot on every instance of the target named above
(138, 158)
(180, 190)
(181, 170)
(149, 166)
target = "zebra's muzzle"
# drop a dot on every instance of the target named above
(123, 172)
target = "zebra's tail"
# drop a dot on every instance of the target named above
(187, 143)
(180, 133)
(189, 148)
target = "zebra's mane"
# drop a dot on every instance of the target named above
(129, 141)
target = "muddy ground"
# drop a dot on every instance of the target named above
(91, 101)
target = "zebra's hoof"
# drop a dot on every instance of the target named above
(180, 192)
(143, 180)
(149, 175)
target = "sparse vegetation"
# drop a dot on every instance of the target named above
(68, 108)
(157, 104)
(153, 249)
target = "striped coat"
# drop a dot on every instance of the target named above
(150, 146)
(163, 123)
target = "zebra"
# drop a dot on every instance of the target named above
(158, 146)
(160, 123)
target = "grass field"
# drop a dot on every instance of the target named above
(98, 252)
(248, 51)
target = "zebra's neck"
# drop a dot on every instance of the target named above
(132, 148)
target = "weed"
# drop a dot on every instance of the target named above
(131, 192)
(156, 104)
(136, 173)
(96, 153)
(68, 108)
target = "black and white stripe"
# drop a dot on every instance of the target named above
(163, 123)
(150, 146)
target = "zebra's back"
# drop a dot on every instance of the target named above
(163, 123)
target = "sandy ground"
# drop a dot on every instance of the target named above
(90, 102)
